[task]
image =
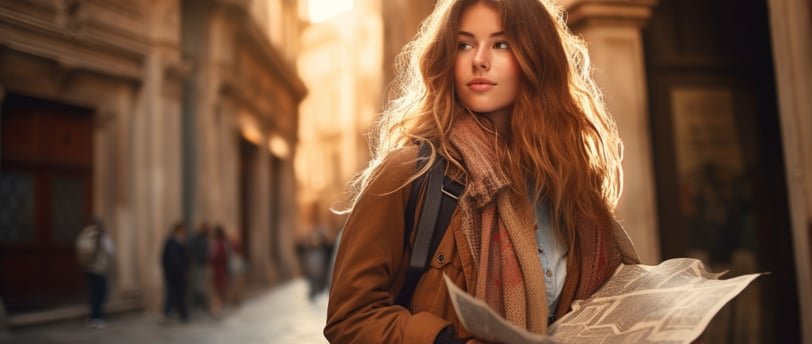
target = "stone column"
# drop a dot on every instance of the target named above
(260, 222)
(792, 53)
(157, 143)
(3, 316)
(613, 32)
(401, 19)
(288, 220)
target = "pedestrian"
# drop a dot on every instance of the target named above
(236, 270)
(175, 263)
(500, 90)
(199, 253)
(218, 262)
(95, 250)
(310, 249)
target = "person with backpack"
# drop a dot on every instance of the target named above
(498, 94)
(94, 250)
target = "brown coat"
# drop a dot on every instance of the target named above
(371, 263)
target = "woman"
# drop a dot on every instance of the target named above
(501, 90)
(218, 260)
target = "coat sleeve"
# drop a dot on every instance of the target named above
(370, 263)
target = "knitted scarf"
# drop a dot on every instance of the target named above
(499, 224)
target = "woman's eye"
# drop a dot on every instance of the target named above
(501, 45)
(464, 46)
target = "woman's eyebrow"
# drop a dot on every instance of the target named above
(468, 34)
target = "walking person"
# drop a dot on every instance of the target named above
(218, 261)
(175, 263)
(199, 269)
(499, 91)
(236, 270)
(312, 257)
(95, 250)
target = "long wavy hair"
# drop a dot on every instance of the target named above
(563, 138)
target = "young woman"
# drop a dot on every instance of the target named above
(501, 90)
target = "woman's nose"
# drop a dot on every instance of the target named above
(482, 59)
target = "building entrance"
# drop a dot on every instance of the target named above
(45, 200)
(718, 158)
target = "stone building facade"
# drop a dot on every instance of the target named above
(145, 114)
(340, 62)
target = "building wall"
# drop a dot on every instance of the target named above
(245, 89)
(339, 63)
(403, 18)
(122, 63)
(126, 61)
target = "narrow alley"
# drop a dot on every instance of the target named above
(282, 315)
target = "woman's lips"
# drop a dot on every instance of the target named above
(480, 84)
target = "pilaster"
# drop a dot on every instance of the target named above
(612, 30)
(792, 53)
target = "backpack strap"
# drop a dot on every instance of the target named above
(451, 193)
(440, 200)
(423, 153)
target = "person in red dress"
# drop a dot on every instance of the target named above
(218, 259)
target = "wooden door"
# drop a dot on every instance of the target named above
(45, 199)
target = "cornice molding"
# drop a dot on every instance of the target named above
(252, 35)
(280, 118)
(82, 45)
(624, 12)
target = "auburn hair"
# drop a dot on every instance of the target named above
(563, 138)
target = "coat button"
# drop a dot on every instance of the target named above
(441, 258)
(549, 273)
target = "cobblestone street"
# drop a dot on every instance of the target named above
(279, 315)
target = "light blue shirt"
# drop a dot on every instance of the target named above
(553, 255)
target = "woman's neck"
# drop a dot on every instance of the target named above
(501, 122)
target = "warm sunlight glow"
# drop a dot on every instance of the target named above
(278, 147)
(321, 10)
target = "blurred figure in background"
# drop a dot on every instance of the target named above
(94, 250)
(236, 269)
(199, 254)
(175, 263)
(314, 259)
(218, 260)
(314, 250)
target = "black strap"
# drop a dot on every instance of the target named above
(440, 200)
(451, 192)
(423, 152)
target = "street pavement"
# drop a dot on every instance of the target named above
(283, 314)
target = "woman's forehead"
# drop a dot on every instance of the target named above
(480, 18)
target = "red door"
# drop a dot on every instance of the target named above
(45, 199)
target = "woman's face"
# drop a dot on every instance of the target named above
(486, 75)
